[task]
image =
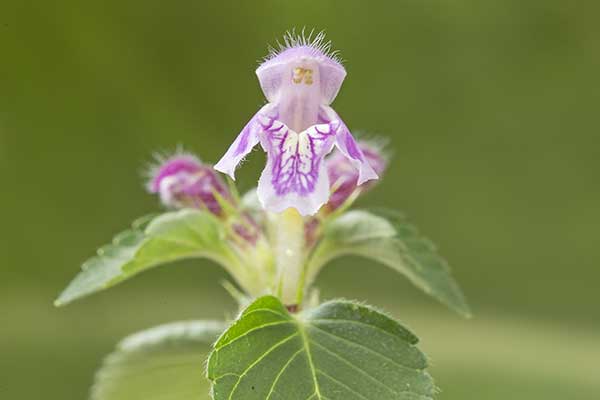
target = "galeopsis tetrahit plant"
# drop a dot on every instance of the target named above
(273, 241)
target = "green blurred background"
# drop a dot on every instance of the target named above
(491, 108)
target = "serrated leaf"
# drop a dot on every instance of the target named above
(338, 351)
(181, 234)
(394, 242)
(163, 363)
(151, 242)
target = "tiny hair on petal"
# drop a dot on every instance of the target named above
(317, 42)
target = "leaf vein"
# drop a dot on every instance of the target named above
(364, 347)
(345, 361)
(258, 360)
(306, 344)
(235, 339)
(272, 389)
(287, 317)
(351, 321)
(341, 384)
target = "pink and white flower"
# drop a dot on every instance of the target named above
(297, 127)
(182, 180)
(344, 178)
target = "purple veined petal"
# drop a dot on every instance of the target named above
(346, 143)
(245, 142)
(295, 175)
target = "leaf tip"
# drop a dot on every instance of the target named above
(462, 309)
(59, 302)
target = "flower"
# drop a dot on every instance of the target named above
(297, 127)
(344, 177)
(182, 180)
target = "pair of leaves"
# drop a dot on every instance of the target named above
(384, 237)
(340, 350)
(150, 242)
(388, 238)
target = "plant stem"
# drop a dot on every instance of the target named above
(287, 235)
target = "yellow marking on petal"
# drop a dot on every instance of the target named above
(304, 153)
(303, 75)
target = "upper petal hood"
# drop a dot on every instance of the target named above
(278, 68)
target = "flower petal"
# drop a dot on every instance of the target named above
(346, 143)
(295, 175)
(244, 143)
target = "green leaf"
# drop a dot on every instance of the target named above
(162, 363)
(389, 239)
(338, 351)
(151, 242)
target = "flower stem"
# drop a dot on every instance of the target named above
(287, 235)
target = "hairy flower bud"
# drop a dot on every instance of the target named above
(182, 180)
(343, 177)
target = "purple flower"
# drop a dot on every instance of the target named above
(182, 180)
(345, 179)
(297, 127)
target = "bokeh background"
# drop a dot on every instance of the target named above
(491, 108)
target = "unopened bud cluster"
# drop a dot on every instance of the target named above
(184, 181)
(343, 176)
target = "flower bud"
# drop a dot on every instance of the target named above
(183, 181)
(343, 176)
(247, 229)
(311, 231)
